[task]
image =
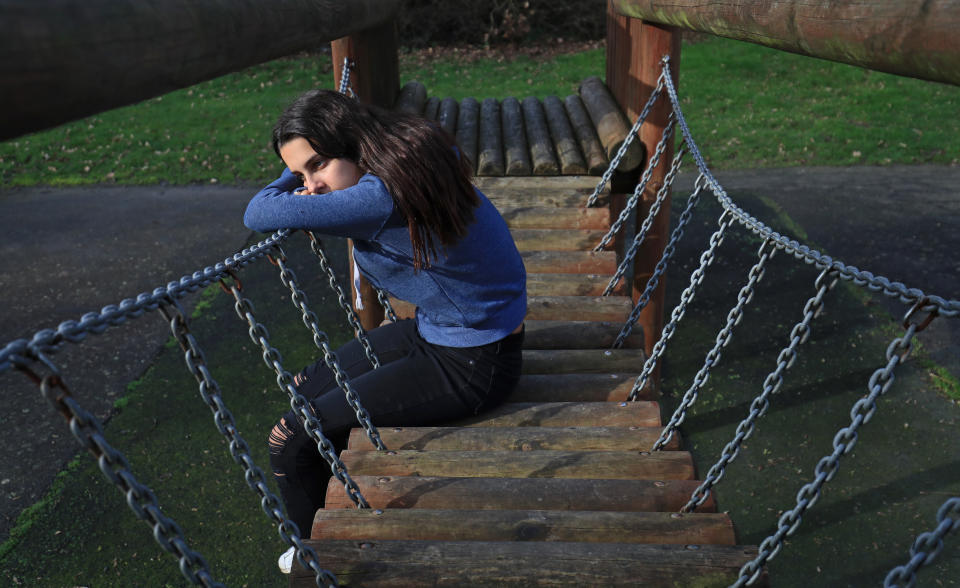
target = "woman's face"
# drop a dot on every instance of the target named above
(319, 175)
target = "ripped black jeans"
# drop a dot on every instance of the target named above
(417, 384)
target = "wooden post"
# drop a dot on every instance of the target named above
(634, 50)
(375, 78)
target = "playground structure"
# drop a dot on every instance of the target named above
(369, 53)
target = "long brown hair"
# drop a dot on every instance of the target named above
(418, 162)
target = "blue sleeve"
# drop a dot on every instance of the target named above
(358, 212)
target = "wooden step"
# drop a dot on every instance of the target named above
(593, 361)
(559, 334)
(567, 414)
(514, 438)
(584, 308)
(570, 262)
(518, 494)
(551, 217)
(566, 198)
(528, 563)
(417, 524)
(599, 465)
(558, 239)
(568, 284)
(578, 388)
(547, 185)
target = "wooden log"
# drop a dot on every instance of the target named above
(567, 414)
(598, 465)
(515, 150)
(513, 439)
(540, 284)
(568, 149)
(577, 388)
(569, 262)
(412, 98)
(468, 127)
(586, 133)
(432, 108)
(913, 38)
(557, 239)
(415, 524)
(612, 125)
(583, 361)
(490, 142)
(447, 115)
(586, 308)
(375, 77)
(61, 61)
(518, 494)
(527, 563)
(555, 218)
(538, 133)
(579, 334)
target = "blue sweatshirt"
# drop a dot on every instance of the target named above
(473, 294)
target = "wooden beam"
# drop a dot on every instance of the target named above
(915, 38)
(61, 60)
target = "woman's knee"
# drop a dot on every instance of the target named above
(280, 439)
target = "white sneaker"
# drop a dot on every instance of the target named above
(286, 560)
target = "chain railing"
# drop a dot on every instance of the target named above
(927, 546)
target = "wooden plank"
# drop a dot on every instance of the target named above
(568, 149)
(567, 414)
(515, 150)
(538, 135)
(587, 308)
(577, 388)
(412, 98)
(569, 262)
(529, 217)
(558, 239)
(513, 438)
(517, 197)
(468, 128)
(527, 563)
(540, 284)
(563, 334)
(537, 184)
(612, 125)
(586, 133)
(490, 145)
(595, 465)
(415, 524)
(590, 361)
(447, 115)
(518, 494)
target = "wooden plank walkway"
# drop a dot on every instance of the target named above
(555, 487)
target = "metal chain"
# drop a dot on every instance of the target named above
(771, 385)
(696, 278)
(385, 303)
(648, 224)
(322, 342)
(239, 450)
(874, 283)
(345, 87)
(317, 248)
(744, 297)
(927, 546)
(641, 186)
(47, 341)
(140, 498)
(843, 442)
(631, 136)
(301, 407)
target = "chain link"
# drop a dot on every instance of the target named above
(926, 547)
(322, 342)
(744, 297)
(345, 87)
(824, 283)
(631, 136)
(115, 467)
(301, 407)
(239, 450)
(648, 224)
(696, 278)
(843, 442)
(641, 185)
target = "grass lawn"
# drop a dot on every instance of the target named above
(748, 106)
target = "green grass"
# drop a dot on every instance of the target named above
(748, 106)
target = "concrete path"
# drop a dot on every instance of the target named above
(66, 252)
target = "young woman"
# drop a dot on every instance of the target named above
(398, 186)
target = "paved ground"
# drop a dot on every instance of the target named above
(69, 251)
